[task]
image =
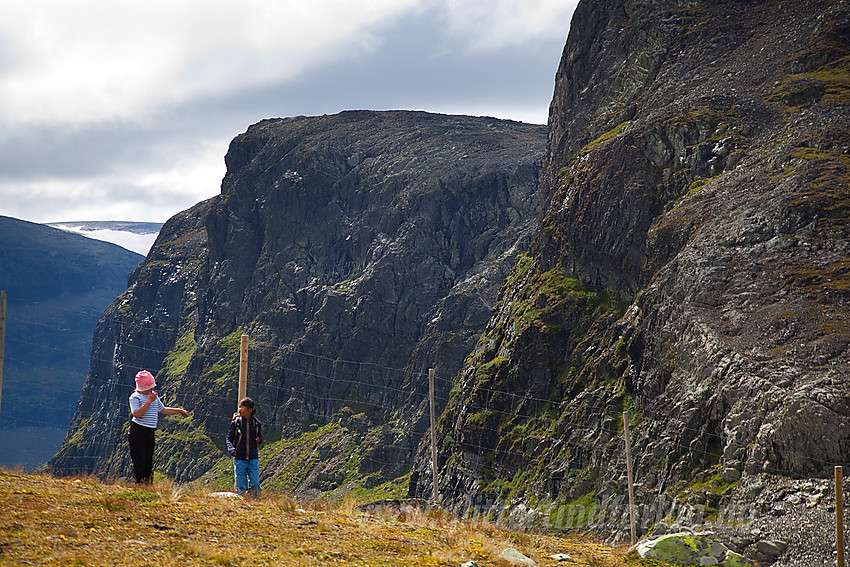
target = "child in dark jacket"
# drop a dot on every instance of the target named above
(243, 438)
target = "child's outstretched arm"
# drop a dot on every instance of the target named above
(174, 411)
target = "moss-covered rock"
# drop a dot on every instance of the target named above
(690, 549)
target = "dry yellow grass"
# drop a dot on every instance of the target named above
(52, 521)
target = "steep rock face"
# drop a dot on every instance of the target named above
(690, 269)
(138, 330)
(356, 251)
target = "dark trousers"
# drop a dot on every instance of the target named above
(141, 441)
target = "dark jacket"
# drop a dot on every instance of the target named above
(243, 437)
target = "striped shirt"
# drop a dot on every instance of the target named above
(151, 417)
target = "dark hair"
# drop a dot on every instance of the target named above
(248, 403)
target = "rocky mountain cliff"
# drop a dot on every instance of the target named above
(691, 269)
(357, 251)
(688, 272)
(57, 285)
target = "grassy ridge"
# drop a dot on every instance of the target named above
(52, 521)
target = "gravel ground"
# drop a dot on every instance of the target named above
(786, 522)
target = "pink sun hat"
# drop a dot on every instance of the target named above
(144, 381)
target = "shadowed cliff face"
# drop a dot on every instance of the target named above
(690, 268)
(356, 251)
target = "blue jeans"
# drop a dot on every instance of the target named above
(247, 473)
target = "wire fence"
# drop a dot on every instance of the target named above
(387, 383)
(494, 420)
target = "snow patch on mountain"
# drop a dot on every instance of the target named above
(135, 236)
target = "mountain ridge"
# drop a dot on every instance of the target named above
(356, 250)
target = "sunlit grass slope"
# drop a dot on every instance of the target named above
(52, 521)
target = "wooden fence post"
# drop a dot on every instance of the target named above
(433, 434)
(243, 369)
(839, 518)
(629, 476)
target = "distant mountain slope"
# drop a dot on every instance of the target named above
(58, 284)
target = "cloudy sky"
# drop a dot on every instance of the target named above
(120, 110)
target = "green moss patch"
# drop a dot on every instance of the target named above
(393, 489)
(609, 135)
(485, 370)
(698, 184)
(225, 371)
(829, 84)
(543, 301)
(180, 355)
(573, 514)
(827, 195)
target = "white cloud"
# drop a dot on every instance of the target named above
(95, 60)
(493, 25)
(521, 113)
(123, 110)
(193, 179)
(148, 194)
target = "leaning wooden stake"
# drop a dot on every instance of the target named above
(2, 338)
(433, 434)
(839, 518)
(629, 476)
(243, 369)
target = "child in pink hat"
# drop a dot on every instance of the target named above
(146, 406)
